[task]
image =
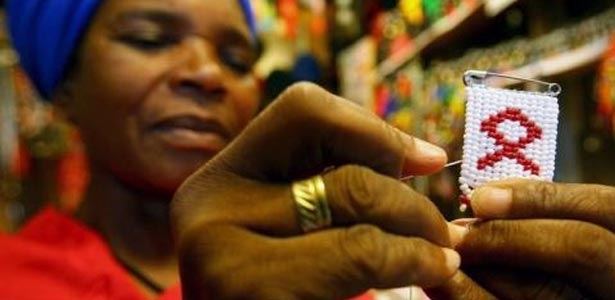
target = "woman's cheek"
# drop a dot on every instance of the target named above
(248, 101)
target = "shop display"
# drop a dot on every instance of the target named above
(410, 27)
(392, 34)
(289, 12)
(606, 89)
(435, 107)
(356, 65)
(399, 99)
(434, 9)
(520, 57)
(289, 30)
(512, 56)
(418, 36)
(266, 14)
(412, 10)
(508, 133)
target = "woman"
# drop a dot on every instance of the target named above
(157, 88)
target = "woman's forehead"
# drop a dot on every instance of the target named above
(195, 12)
(231, 10)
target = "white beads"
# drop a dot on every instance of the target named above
(508, 134)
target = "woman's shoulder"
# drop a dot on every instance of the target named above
(29, 258)
(58, 257)
(49, 228)
(47, 239)
(52, 236)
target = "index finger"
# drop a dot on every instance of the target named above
(459, 287)
(355, 195)
(519, 199)
(308, 129)
(504, 283)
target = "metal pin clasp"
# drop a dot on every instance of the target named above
(474, 77)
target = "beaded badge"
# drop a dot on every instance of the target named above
(508, 133)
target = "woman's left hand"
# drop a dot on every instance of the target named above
(239, 219)
(538, 240)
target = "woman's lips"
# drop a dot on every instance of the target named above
(192, 133)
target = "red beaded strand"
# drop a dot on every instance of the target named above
(508, 148)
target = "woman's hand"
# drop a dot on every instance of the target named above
(238, 229)
(538, 240)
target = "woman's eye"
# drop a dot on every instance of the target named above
(240, 60)
(150, 42)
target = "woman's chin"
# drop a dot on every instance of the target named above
(163, 187)
(166, 175)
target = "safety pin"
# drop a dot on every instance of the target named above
(474, 77)
(451, 164)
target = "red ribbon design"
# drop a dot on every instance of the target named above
(508, 148)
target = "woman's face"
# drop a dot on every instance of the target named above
(161, 86)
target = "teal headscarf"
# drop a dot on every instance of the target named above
(45, 34)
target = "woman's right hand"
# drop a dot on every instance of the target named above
(538, 240)
(238, 229)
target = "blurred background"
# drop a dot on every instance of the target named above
(403, 60)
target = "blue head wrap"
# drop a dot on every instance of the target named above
(246, 5)
(45, 34)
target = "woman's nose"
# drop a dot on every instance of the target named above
(200, 73)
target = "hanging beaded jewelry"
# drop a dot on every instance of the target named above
(508, 133)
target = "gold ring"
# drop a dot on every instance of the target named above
(311, 202)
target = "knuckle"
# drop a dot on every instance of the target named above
(495, 234)
(590, 248)
(553, 289)
(215, 272)
(547, 192)
(608, 193)
(397, 146)
(582, 198)
(297, 90)
(221, 285)
(591, 203)
(604, 205)
(212, 276)
(299, 95)
(303, 103)
(357, 182)
(365, 249)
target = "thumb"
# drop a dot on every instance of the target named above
(522, 199)
(308, 129)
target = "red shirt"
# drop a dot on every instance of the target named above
(56, 257)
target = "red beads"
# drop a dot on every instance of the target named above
(464, 200)
(508, 148)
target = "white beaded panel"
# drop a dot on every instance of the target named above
(508, 134)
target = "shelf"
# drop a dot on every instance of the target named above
(495, 7)
(462, 16)
(560, 64)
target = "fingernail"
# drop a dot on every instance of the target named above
(452, 260)
(457, 233)
(491, 202)
(465, 222)
(430, 151)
